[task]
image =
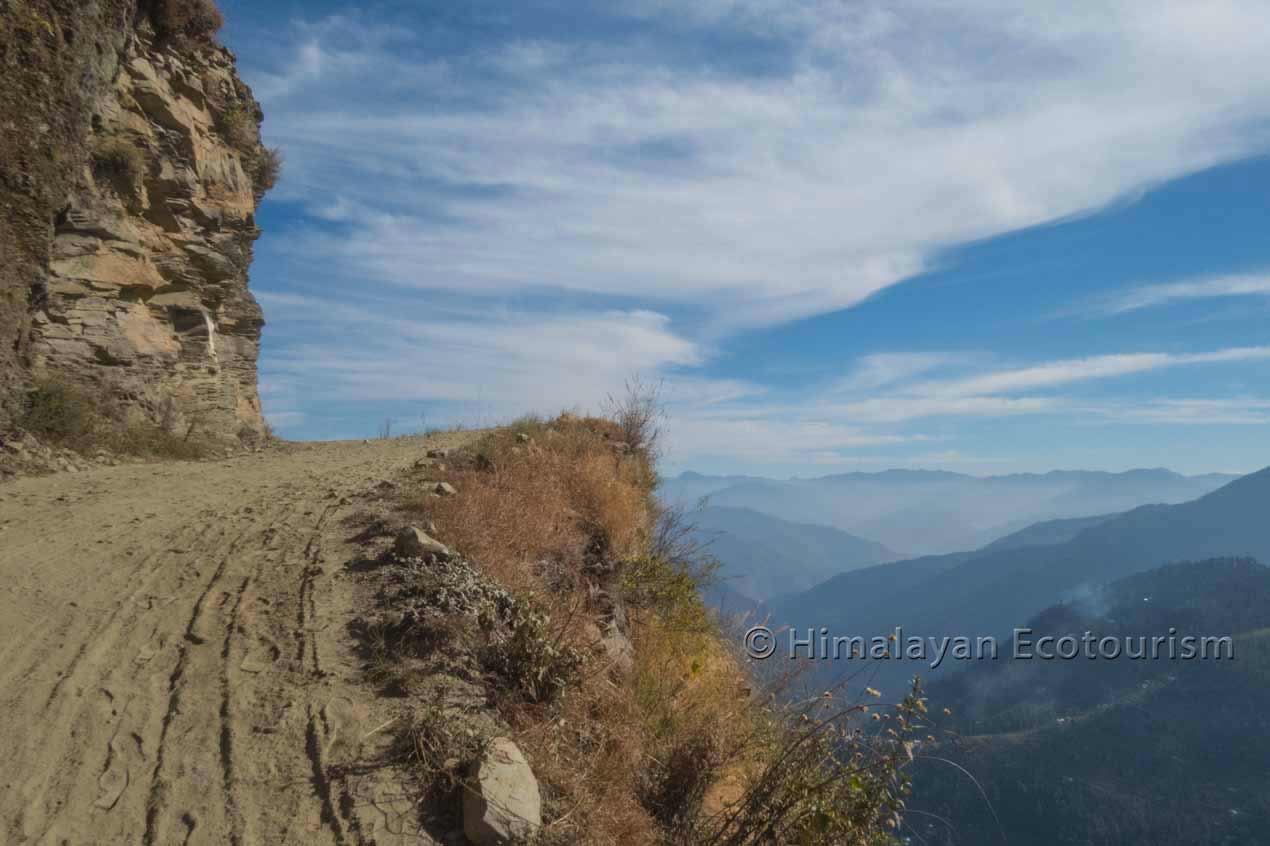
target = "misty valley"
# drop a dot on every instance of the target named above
(1141, 739)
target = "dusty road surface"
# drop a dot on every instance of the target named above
(174, 650)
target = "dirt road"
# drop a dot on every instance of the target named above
(174, 661)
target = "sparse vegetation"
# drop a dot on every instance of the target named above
(68, 415)
(440, 747)
(671, 746)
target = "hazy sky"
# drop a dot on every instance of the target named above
(847, 235)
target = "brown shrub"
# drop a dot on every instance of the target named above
(193, 20)
(637, 414)
(119, 159)
(265, 169)
(73, 417)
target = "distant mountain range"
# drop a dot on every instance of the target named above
(764, 557)
(990, 591)
(1100, 753)
(936, 512)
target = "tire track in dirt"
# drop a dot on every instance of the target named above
(172, 640)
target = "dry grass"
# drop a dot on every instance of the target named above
(535, 514)
(673, 750)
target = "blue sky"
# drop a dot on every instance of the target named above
(843, 235)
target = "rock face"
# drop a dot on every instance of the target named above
(502, 803)
(130, 256)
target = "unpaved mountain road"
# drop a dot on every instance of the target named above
(173, 648)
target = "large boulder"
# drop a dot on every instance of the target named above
(502, 803)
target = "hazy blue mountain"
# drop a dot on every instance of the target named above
(935, 512)
(995, 589)
(763, 556)
(1048, 532)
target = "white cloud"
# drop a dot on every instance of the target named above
(879, 370)
(1219, 287)
(508, 362)
(1192, 412)
(801, 194)
(1069, 371)
(601, 210)
(892, 394)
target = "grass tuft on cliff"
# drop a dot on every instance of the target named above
(658, 735)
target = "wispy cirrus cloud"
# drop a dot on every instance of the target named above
(520, 218)
(1071, 371)
(878, 404)
(759, 198)
(1219, 287)
(1239, 411)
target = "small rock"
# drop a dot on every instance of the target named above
(413, 542)
(444, 489)
(503, 804)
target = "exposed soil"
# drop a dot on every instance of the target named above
(175, 664)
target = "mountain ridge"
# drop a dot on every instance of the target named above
(987, 592)
(940, 512)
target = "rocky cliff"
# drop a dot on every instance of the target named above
(130, 171)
